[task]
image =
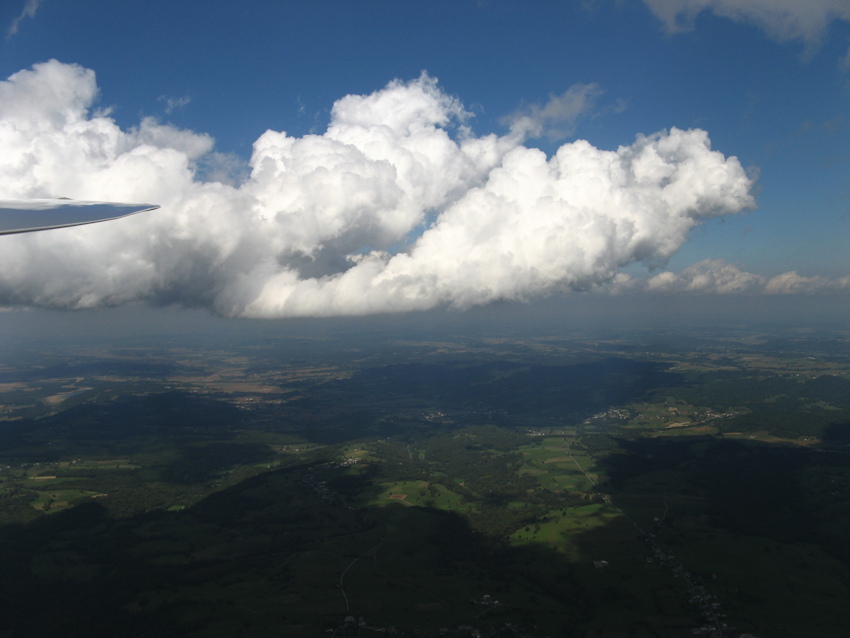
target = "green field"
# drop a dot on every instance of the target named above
(589, 491)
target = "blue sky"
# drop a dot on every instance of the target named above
(775, 98)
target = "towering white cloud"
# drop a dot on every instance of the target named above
(397, 206)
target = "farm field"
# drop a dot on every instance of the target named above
(533, 487)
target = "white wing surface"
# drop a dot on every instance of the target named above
(25, 216)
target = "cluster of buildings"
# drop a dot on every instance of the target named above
(358, 625)
(486, 600)
(321, 487)
(617, 414)
(714, 618)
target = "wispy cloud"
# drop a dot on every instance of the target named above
(782, 20)
(844, 62)
(29, 10)
(174, 103)
(557, 119)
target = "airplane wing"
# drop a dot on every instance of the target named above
(24, 216)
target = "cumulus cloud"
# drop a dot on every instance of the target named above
(396, 206)
(716, 276)
(793, 283)
(783, 20)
